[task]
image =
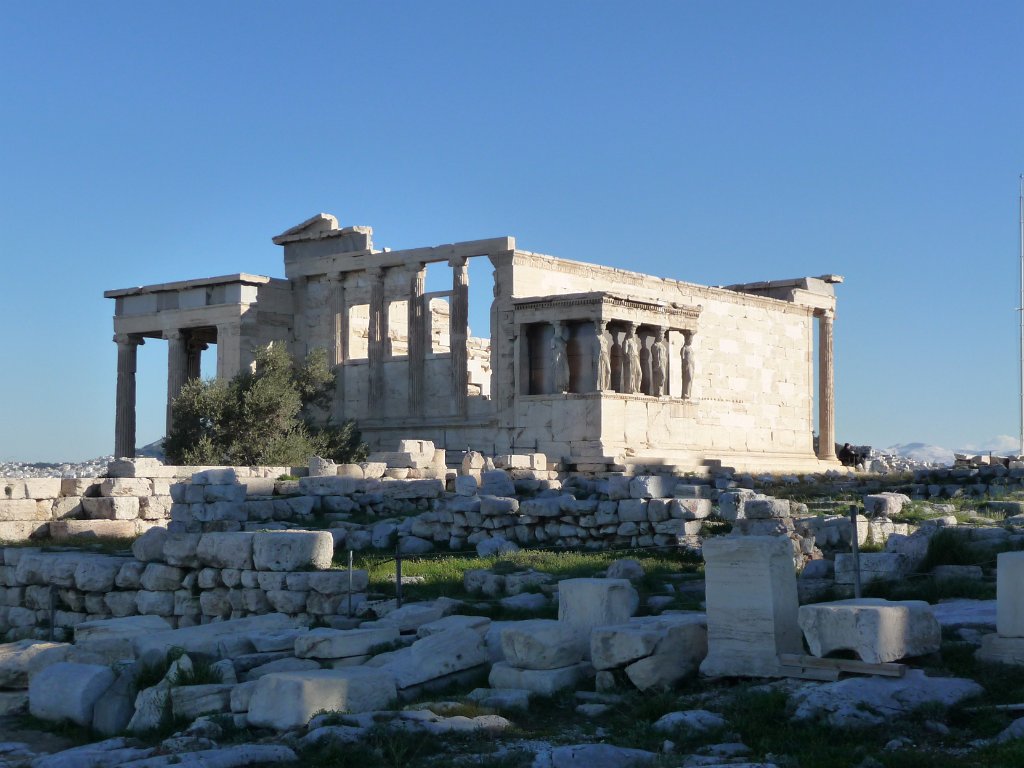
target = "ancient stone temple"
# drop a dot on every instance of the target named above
(595, 367)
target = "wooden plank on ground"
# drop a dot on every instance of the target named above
(808, 673)
(852, 666)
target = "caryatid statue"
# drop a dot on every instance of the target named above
(689, 356)
(604, 357)
(560, 359)
(631, 363)
(659, 364)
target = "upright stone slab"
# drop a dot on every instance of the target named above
(587, 603)
(1010, 594)
(751, 605)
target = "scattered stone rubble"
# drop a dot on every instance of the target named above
(230, 578)
(273, 672)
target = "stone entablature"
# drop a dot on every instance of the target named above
(687, 374)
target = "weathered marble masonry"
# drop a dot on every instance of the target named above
(598, 368)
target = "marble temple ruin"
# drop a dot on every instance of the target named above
(593, 366)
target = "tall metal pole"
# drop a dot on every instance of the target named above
(1020, 309)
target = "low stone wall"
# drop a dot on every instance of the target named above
(135, 497)
(186, 578)
(514, 506)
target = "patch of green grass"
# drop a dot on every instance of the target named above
(443, 575)
(381, 746)
(151, 674)
(949, 547)
(931, 590)
(202, 673)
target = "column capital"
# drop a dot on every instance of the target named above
(828, 315)
(128, 339)
(458, 262)
(175, 334)
(375, 271)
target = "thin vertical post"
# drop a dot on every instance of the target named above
(1020, 308)
(855, 549)
(398, 576)
(350, 583)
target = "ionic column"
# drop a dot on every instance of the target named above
(177, 368)
(124, 416)
(378, 332)
(417, 340)
(826, 388)
(458, 330)
(337, 318)
(193, 359)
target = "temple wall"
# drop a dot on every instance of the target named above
(753, 389)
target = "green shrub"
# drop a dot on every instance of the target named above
(271, 416)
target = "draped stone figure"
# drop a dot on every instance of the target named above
(560, 359)
(689, 366)
(604, 359)
(659, 364)
(631, 363)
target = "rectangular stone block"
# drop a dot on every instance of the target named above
(155, 507)
(125, 486)
(42, 487)
(12, 489)
(216, 476)
(330, 486)
(878, 631)
(231, 493)
(22, 509)
(752, 605)
(690, 508)
(1001, 650)
(1010, 594)
(93, 529)
(544, 682)
(67, 506)
(287, 700)
(874, 566)
(326, 643)
(22, 530)
(140, 467)
(111, 507)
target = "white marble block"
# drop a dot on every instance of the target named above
(877, 630)
(1010, 594)
(285, 700)
(751, 605)
(587, 603)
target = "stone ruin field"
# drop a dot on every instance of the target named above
(509, 614)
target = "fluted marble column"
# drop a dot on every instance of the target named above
(417, 340)
(459, 332)
(826, 388)
(378, 332)
(124, 417)
(337, 319)
(177, 368)
(193, 358)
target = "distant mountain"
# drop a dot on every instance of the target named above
(931, 454)
(154, 450)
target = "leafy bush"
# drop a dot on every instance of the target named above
(273, 415)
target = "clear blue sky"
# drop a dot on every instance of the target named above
(714, 142)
